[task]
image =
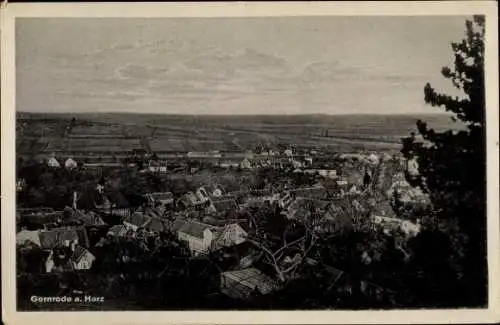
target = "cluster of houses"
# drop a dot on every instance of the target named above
(63, 249)
(299, 162)
(68, 164)
(208, 219)
(200, 237)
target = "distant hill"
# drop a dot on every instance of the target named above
(401, 121)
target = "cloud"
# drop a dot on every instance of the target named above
(328, 72)
(212, 80)
(247, 62)
(140, 72)
(248, 73)
(244, 73)
(331, 72)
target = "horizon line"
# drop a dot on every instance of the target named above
(248, 115)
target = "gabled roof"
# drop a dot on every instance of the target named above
(69, 161)
(79, 253)
(224, 238)
(88, 219)
(28, 236)
(177, 224)
(288, 204)
(212, 188)
(156, 224)
(189, 199)
(373, 158)
(56, 237)
(301, 207)
(137, 219)
(253, 279)
(53, 162)
(244, 224)
(160, 195)
(318, 192)
(118, 230)
(191, 228)
(224, 205)
(263, 192)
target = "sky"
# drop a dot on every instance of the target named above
(261, 65)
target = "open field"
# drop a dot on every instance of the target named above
(119, 133)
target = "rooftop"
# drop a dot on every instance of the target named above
(252, 278)
(225, 205)
(137, 219)
(57, 237)
(161, 195)
(87, 218)
(78, 253)
(318, 192)
(301, 207)
(191, 228)
(28, 236)
(118, 230)
(156, 224)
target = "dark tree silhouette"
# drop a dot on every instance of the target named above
(451, 164)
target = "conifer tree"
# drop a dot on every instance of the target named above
(452, 164)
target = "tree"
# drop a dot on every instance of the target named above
(286, 259)
(451, 164)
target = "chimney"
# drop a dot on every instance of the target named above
(73, 245)
(75, 199)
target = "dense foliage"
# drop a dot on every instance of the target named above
(452, 168)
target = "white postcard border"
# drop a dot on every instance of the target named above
(244, 9)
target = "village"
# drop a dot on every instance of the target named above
(230, 162)
(262, 234)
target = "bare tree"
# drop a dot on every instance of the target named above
(278, 255)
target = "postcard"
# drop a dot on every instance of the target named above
(250, 162)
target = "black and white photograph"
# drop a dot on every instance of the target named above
(251, 163)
